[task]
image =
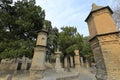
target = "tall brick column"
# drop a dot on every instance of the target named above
(38, 62)
(105, 43)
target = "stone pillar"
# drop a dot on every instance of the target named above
(77, 59)
(38, 61)
(58, 66)
(87, 64)
(24, 64)
(71, 61)
(65, 62)
(82, 63)
(14, 64)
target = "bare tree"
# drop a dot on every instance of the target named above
(116, 15)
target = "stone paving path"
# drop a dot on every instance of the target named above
(84, 74)
(52, 75)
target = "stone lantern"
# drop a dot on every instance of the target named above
(58, 66)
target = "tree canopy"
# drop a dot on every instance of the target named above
(19, 24)
(52, 37)
(69, 40)
(86, 49)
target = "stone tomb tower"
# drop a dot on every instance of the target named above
(38, 66)
(105, 42)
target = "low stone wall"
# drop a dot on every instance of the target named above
(15, 64)
(4, 67)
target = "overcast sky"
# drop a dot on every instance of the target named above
(70, 12)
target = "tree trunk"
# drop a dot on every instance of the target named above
(68, 64)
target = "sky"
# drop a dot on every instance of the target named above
(70, 12)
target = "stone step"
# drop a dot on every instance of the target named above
(71, 77)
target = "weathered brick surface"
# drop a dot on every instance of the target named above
(105, 43)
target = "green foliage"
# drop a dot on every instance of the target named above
(86, 50)
(19, 24)
(69, 40)
(52, 37)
